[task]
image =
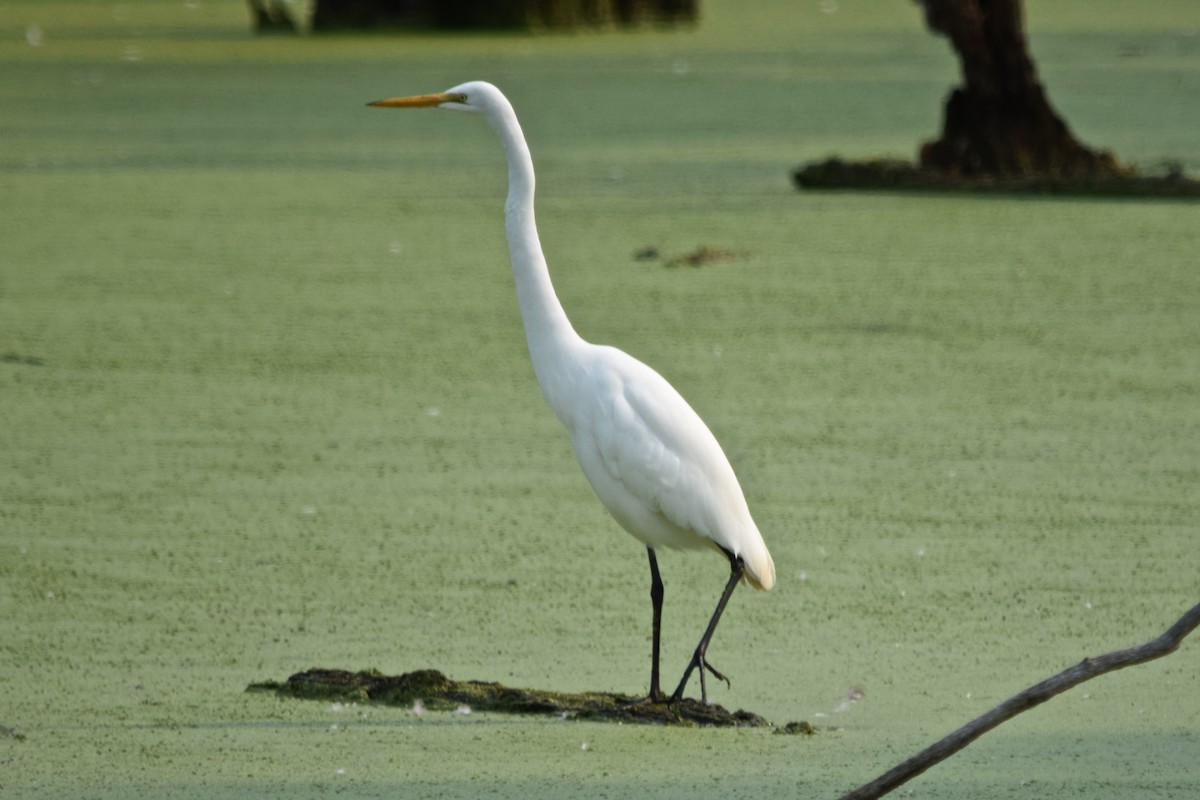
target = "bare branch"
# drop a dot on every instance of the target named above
(1035, 695)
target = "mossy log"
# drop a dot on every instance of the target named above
(435, 691)
(897, 175)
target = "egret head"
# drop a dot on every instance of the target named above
(472, 96)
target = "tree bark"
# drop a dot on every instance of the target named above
(1000, 122)
(271, 16)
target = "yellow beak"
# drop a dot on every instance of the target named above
(420, 100)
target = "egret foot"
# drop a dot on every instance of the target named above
(698, 661)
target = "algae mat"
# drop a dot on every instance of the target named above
(265, 404)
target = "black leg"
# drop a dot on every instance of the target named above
(735, 575)
(656, 598)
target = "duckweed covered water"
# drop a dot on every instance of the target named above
(266, 405)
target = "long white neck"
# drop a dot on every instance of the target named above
(547, 329)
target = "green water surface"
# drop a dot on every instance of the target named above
(265, 405)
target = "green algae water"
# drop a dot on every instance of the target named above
(265, 405)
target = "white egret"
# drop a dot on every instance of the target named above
(651, 460)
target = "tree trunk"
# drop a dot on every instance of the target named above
(1000, 121)
(271, 16)
(336, 15)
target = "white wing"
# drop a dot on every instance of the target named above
(656, 466)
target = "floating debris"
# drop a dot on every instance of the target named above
(852, 696)
(16, 358)
(701, 256)
(704, 255)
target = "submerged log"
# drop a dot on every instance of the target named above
(898, 175)
(435, 691)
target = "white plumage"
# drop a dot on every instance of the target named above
(657, 468)
(651, 460)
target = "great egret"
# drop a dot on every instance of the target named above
(651, 460)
